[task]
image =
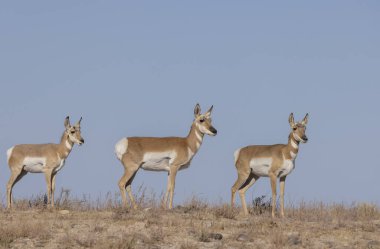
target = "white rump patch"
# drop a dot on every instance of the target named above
(9, 153)
(121, 148)
(158, 161)
(236, 155)
(34, 164)
(261, 166)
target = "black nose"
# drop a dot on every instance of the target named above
(82, 141)
(213, 130)
(305, 138)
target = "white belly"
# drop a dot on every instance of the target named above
(261, 166)
(34, 164)
(162, 165)
(158, 161)
(286, 169)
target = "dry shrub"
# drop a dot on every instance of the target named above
(188, 245)
(111, 242)
(338, 211)
(313, 211)
(145, 198)
(318, 211)
(125, 242)
(157, 235)
(63, 200)
(367, 211)
(22, 229)
(361, 211)
(368, 227)
(194, 204)
(38, 202)
(225, 211)
(120, 213)
(261, 205)
(85, 241)
(110, 202)
(98, 228)
(204, 236)
(278, 238)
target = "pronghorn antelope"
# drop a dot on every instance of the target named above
(273, 161)
(161, 154)
(42, 158)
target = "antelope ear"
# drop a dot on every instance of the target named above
(208, 113)
(197, 110)
(67, 122)
(305, 119)
(78, 123)
(291, 120)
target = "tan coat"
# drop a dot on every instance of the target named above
(168, 154)
(42, 158)
(273, 161)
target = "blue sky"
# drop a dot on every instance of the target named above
(138, 69)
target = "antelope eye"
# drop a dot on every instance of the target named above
(294, 128)
(202, 120)
(72, 132)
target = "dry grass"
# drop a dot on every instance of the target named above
(103, 223)
(11, 231)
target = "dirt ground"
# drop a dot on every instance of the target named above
(193, 225)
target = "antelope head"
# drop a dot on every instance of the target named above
(73, 132)
(299, 128)
(203, 121)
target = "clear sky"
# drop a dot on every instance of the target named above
(138, 69)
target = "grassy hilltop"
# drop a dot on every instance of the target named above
(194, 224)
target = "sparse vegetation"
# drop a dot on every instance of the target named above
(82, 223)
(225, 211)
(261, 205)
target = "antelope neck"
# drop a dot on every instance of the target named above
(293, 146)
(65, 146)
(195, 138)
